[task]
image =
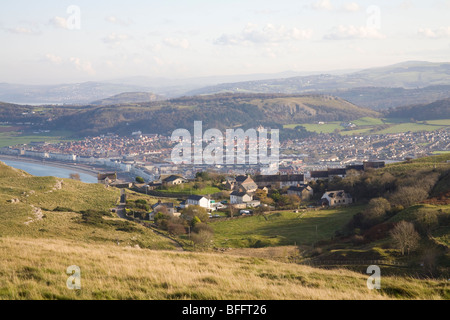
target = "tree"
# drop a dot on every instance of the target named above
(375, 212)
(195, 211)
(405, 236)
(407, 196)
(140, 180)
(203, 237)
(75, 176)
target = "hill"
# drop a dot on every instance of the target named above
(433, 111)
(48, 207)
(408, 75)
(48, 224)
(220, 111)
(128, 98)
(382, 98)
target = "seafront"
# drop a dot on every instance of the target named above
(81, 168)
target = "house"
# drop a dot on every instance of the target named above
(245, 184)
(237, 197)
(107, 178)
(171, 210)
(201, 201)
(305, 192)
(319, 175)
(279, 180)
(173, 180)
(336, 198)
(168, 206)
(337, 172)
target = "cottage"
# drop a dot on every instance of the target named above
(107, 178)
(237, 197)
(201, 201)
(173, 180)
(169, 207)
(336, 198)
(245, 184)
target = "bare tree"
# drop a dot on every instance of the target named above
(75, 176)
(405, 236)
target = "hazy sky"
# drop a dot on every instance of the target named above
(71, 41)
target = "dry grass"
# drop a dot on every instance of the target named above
(35, 269)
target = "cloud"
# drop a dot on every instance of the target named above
(354, 32)
(24, 31)
(53, 58)
(438, 33)
(269, 34)
(81, 65)
(119, 21)
(176, 43)
(351, 7)
(322, 5)
(116, 39)
(58, 22)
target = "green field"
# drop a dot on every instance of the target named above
(369, 125)
(282, 228)
(12, 138)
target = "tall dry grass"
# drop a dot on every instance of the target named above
(35, 269)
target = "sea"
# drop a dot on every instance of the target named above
(44, 170)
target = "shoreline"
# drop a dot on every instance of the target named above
(82, 168)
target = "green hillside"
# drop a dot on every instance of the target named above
(49, 207)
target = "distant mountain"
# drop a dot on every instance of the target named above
(412, 75)
(408, 75)
(128, 98)
(79, 93)
(432, 111)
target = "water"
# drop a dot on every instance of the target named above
(43, 170)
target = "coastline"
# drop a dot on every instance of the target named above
(82, 168)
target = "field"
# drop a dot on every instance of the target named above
(368, 125)
(37, 270)
(282, 228)
(11, 136)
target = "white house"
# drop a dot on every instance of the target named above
(198, 201)
(336, 198)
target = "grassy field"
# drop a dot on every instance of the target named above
(282, 228)
(369, 125)
(12, 138)
(37, 270)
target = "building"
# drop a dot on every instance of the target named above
(374, 165)
(201, 201)
(305, 192)
(245, 184)
(336, 198)
(237, 197)
(279, 181)
(107, 178)
(169, 207)
(173, 180)
(319, 175)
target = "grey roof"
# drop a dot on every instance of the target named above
(238, 194)
(195, 197)
(167, 205)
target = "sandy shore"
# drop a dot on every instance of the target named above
(92, 171)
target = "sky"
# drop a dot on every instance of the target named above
(50, 42)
